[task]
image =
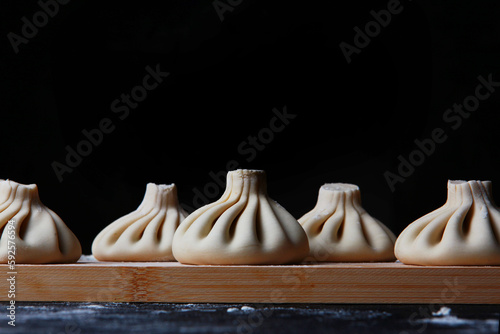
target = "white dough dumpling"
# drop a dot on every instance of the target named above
(340, 230)
(40, 235)
(145, 234)
(464, 231)
(244, 226)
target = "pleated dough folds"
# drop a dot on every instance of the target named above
(464, 231)
(145, 234)
(244, 226)
(340, 230)
(40, 234)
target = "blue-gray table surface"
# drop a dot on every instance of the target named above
(73, 318)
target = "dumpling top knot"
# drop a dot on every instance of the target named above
(244, 226)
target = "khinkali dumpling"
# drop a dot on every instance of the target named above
(244, 226)
(339, 229)
(40, 235)
(464, 231)
(146, 233)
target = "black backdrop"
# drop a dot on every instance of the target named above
(230, 67)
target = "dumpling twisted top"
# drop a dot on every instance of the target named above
(40, 235)
(339, 229)
(146, 233)
(244, 226)
(464, 231)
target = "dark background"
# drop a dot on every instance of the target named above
(352, 120)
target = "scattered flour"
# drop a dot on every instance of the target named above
(443, 317)
(87, 258)
(244, 308)
(443, 311)
(453, 321)
(484, 212)
(247, 309)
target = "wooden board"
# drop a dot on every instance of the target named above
(315, 283)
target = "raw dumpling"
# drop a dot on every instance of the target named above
(244, 226)
(464, 231)
(146, 233)
(339, 229)
(40, 235)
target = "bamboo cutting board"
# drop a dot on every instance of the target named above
(314, 283)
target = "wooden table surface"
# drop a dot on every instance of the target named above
(307, 283)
